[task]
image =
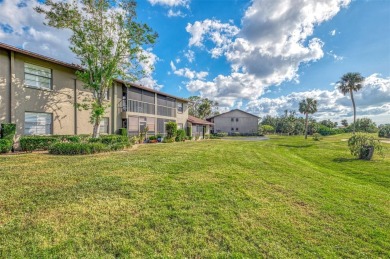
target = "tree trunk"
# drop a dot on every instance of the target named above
(354, 112)
(307, 117)
(96, 129)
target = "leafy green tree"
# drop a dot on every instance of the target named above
(365, 125)
(307, 106)
(328, 123)
(202, 107)
(384, 131)
(267, 129)
(349, 83)
(344, 123)
(108, 42)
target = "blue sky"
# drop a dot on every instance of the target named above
(262, 56)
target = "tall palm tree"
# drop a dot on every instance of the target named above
(349, 83)
(307, 106)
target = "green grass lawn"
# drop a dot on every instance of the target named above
(284, 197)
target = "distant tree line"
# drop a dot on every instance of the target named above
(291, 124)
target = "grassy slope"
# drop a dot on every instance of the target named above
(280, 198)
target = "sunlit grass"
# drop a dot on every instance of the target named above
(285, 197)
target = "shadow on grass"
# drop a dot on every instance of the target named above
(343, 159)
(296, 146)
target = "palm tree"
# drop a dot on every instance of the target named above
(307, 106)
(349, 83)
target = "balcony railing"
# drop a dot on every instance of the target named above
(140, 107)
(166, 111)
(148, 108)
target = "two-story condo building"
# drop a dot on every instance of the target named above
(40, 95)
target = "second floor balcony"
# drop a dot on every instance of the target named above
(147, 108)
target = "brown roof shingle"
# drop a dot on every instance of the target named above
(195, 120)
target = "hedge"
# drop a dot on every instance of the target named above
(68, 148)
(180, 135)
(31, 143)
(111, 139)
(8, 130)
(5, 145)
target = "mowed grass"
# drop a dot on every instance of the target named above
(285, 197)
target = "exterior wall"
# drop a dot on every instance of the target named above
(5, 85)
(246, 124)
(16, 98)
(59, 101)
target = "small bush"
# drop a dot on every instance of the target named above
(123, 132)
(235, 134)
(317, 136)
(221, 134)
(68, 138)
(207, 136)
(180, 135)
(8, 131)
(384, 131)
(64, 148)
(152, 138)
(171, 129)
(168, 140)
(5, 145)
(362, 146)
(32, 143)
(267, 129)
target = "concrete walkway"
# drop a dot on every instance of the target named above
(248, 138)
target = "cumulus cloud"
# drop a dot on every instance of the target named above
(332, 33)
(25, 29)
(188, 73)
(148, 65)
(179, 13)
(190, 55)
(170, 3)
(373, 100)
(273, 42)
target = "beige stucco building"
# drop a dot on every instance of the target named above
(235, 121)
(40, 96)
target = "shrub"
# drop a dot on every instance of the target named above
(64, 148)
(384, 131)
(171, 129)
(207, 136)
(267, 129)
(31, 143)
(152, 138)
(189, 131)
(8, 131)
(5, 145)
(168, 140)
(317, 136)
(68, 138)
(362, 146)
(110, 140)
(235, 134)
(180, 135)
(123, 132)
(221, 134)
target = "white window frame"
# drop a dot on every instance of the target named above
(180, 107)
(104, 126)
(40, 127)
(32, 73)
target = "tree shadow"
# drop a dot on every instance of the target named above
(296, 146)
(343, 159)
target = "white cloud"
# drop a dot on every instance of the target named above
(332, 33)
(190, 55)
(148, 67)
(26, 30)
(173, 67)
(273, 42)
(372, 101)
(220, 34)
(188, 73)
(179, 13)
(170, 3)
(335, 56)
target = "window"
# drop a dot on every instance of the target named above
(232, 129)
(236, 129)
(232, 119)
(37, 77)
(236, 119)
(37, 123)
(104, 125)
(180, 107)
(180, 125)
